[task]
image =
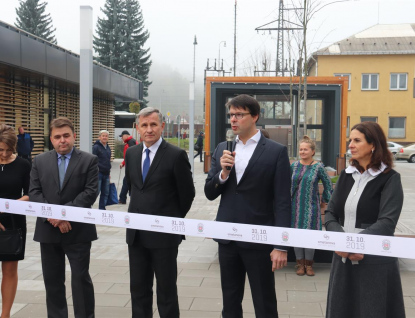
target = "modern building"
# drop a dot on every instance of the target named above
(379, 63)
(39, 81)
(325, 113)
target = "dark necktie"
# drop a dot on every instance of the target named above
(146, 164)
(62, 171)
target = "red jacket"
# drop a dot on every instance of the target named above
(129, 142)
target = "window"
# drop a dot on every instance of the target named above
(345, 75)
(397, 127)
(374, 119)
(398, 82)
(370, 82)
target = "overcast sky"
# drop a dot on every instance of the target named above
(173, 23)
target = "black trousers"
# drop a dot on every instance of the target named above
(235, 263)
(199, 153)
(53, 266)
(144, 263)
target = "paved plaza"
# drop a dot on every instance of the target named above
(198, 278)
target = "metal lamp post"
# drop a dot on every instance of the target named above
(224, 45)
(192, 110)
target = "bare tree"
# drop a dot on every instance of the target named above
(306, 10)
(259, 64)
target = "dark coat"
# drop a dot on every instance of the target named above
(104, 157)
(378, 209)
(25, 144)
(168, 190)
(261, 197)
(80, 189)
(373, 287)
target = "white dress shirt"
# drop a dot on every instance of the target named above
(350, 207)
(243, 153)
(153, 149)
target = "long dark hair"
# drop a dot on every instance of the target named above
(374, 135)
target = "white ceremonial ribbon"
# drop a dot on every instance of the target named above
(323, 240)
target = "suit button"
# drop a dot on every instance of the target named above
(236, 193)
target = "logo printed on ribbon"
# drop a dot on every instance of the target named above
(285, 236)
(63, 212)
(7, 205)
(386, 245)
(200, 227)
(127, 219)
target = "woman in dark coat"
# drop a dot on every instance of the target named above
(367, 199)
(14, 184)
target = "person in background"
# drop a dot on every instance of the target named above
(14, 184)
(368, 199)
(265, 133)
(102, 150)
(25, 145)
(305, 199)
(199, 144)
(65, 176)
(129, 141)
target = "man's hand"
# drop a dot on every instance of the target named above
(2, 228)
(54, 222)
(356, 257)
(121, 166)
(342, 254)
(278, 259)
(65, 226)
(227, 160)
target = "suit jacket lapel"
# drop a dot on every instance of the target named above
(54, 163)
(73, 162)
(157, 159)
(139, 161)
(259, 149)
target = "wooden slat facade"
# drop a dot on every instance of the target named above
(27, 100)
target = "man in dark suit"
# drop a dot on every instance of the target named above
(160, 180)
(255, 190)
(65, 176)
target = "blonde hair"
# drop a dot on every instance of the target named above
(8, 136)
(309, 141)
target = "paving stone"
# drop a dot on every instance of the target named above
(16, 308)
(189, 281)
(308, 297)
(200, 273)
(185, 291)
(114, 278)
(300, 309)
(194, 265)
(207, 304)
(123, 289)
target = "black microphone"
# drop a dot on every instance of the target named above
(229, 142)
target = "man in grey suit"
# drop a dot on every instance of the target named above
(160, 180)
(65, 176)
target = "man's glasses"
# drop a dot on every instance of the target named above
(237, 115)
